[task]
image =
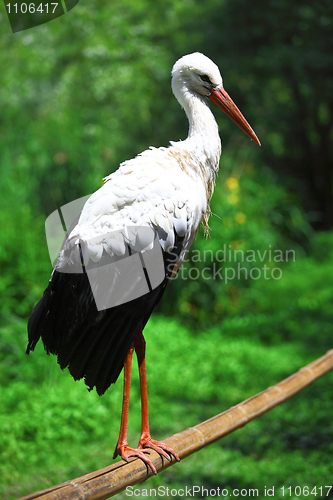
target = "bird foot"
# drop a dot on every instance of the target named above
(162, 449)
(126, 452)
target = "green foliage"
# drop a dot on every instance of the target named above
(280, 54)
(256, 226)
(24, 261)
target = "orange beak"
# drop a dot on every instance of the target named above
(222, 99)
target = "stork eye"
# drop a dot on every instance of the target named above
(205, 78)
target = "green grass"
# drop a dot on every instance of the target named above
(53, 430)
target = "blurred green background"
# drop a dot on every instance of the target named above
(83, 93)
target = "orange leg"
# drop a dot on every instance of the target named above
(122, 447)
(146, 441)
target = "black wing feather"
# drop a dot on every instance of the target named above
(92, 343)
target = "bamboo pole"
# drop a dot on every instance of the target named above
(110, 480)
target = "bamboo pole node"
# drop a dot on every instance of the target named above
(109, 481)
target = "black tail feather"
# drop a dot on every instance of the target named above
(91, 343)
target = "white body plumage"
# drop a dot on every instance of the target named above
(166, 189)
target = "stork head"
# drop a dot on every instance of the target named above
(196, 74)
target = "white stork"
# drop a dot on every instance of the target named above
(166, 190)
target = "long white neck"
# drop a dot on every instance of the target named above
(202, 148)
(203, 130)
(203, 139)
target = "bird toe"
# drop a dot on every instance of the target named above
(161, 448)
(127, 452)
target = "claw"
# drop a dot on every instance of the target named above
(126, 452)
(158, 446)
